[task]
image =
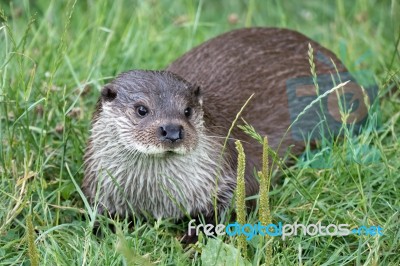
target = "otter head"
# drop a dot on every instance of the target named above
(153, 112)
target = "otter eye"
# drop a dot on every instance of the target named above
(188, 112)
(141, 111)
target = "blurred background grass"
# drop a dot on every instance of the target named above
(56, 55)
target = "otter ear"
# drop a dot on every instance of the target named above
(108, 93)
(197, 91)
(197, 94)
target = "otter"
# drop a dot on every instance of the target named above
(157, 137)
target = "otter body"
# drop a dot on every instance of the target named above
(156, 137)
(260, 61)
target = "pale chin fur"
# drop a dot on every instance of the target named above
(158, 151)
(162, 186)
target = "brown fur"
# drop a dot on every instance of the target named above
(234, 65)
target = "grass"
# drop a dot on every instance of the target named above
(56, 55)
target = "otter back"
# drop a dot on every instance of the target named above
(260, 61)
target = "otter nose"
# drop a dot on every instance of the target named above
(171, 132)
